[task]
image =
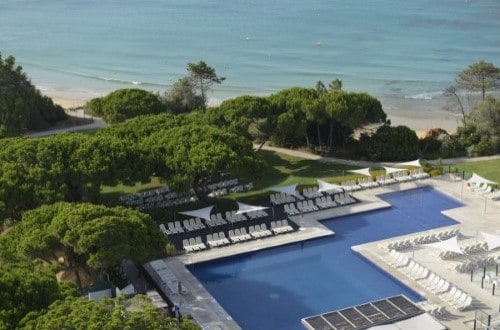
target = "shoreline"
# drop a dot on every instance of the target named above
(419, 115)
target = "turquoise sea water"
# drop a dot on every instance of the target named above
(396, 50)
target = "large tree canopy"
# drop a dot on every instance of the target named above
(81, 314)
(333, 111)
(238, 113)
(181, 97)
(479, 76)
(136, 129)
(68, 167)
(202, 77)
(21, 104)
(24, 288)
(194, 155)
(389, 143)
(123, 104)
(93, 238)
(486, 120)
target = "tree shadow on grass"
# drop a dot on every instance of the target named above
(282, 169)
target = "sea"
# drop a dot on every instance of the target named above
(403, 52)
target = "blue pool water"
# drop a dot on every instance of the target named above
(275, 288)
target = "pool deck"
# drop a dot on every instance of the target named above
(477, 215)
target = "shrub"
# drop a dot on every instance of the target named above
(124, 104)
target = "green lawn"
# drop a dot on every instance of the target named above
(489, 169)
(280, 170)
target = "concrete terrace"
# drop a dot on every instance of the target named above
(478, 214)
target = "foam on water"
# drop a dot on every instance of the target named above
(425, 96)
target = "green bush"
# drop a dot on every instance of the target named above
(124, 104)
(389, 144)
(430, 147)
(484, 148)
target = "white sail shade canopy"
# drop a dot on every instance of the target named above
(390, 170)
(450, 244)
(325, 186)
(363, 171)
(245, 208)
(203, 213)
(415, 163)
(492, 240)
(479, 179)
(291, 189)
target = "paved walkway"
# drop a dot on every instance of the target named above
(308, 155)
(476, 215)
(79, 113)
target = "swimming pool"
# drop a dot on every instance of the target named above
(275, 288)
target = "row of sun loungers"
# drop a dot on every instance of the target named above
(311, 193)
(467, 250)
(430, 281)
(231, 216)
(194, 224)
(280, 227)
(259, 231)
(281, 198)
(351, 185)
(367, 183)
(173, 228)
(385, 179)
(422, 239)
(164, 197)
(477, 263)
(193, 244)
(216, 220)
(158, 198)
(485, 190)
(236, 236)
(217, 239)
(323, 202)
(223, 184)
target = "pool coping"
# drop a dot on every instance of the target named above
(207, 312)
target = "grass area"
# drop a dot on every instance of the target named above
(489, 169)
(280, 170)
(110, 194)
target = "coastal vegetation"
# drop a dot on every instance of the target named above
(81, 314)
(86, 239)
(124, 104)
(482, 76)
(22, 106)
